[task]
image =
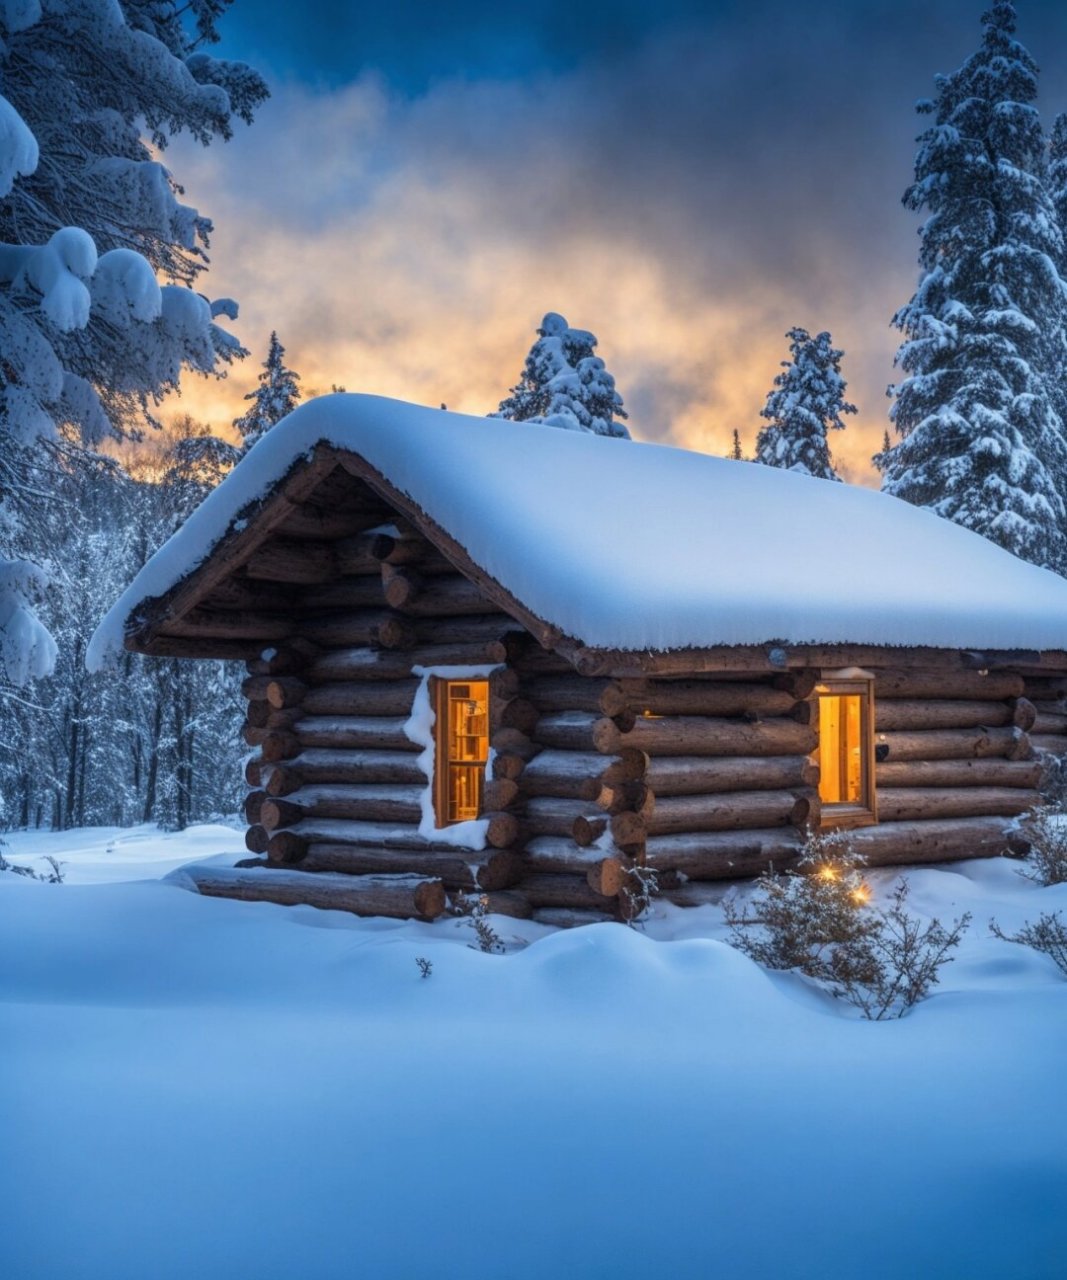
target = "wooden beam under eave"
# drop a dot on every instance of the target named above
(164, 646)
(234, 548)
(312, 521)
(771, 659)
(547, 635)
(232, 624)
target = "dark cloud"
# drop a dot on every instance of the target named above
(415, 42)
(687, 181)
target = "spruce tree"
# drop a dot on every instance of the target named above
(882, 456)
(1056, 180)
(564, 384)
(981, 441)
(90, 222)
(736, 452)
(276, 396)
(807, 401)
(1056, 185)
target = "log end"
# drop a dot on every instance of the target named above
(502, 829)
(430, 899)
(607, 877)
(1024, 714)
(499, 793)
(401, 589)
(286, 847)
(588, 830)
(500, 870)
(395, 633)
(257, 839)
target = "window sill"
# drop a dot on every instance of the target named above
(847, 816)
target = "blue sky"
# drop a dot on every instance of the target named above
(413, 43)
(686, 180)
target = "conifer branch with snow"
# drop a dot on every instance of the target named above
(90, 220)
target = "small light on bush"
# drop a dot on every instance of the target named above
(827, 873)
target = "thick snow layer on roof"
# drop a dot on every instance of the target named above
(635, 546)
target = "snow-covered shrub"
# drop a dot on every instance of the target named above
(425, 966)
(1046, 829)
(54, 875)
(819, 921)
(1053, 784)
(475, 912)
(642, 885)
(804, 917)
(1048, 935)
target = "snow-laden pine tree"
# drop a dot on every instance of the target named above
(1056, 178)
(276, 396)
(807, 401)
(90, 220)
(1056, 185)
(880, 458)
(563, 384)
(981, 440)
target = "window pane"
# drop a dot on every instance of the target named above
(463, 744)
(841, 748)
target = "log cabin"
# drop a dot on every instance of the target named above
(506, 660)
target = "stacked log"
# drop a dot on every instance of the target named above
(337, 786)
(701, 777)
(398, 896)
(1049, 697)
(954, 750)
(626, 764)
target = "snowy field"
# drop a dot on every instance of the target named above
(202, 1088)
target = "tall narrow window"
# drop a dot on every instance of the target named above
(846, 753)
(461, 748)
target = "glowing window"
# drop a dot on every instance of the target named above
(846, 753)
(461, 748)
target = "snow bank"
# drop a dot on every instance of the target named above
(595, 1103)
(637, 546)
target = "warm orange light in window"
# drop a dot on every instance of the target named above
(845, 754)
(841, 748)
(461, 739)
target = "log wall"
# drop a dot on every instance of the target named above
(1048, 734)
(703, 778)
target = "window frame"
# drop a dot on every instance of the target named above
(848, 814)
(441, 734)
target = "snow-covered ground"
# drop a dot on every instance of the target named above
(202, 1088)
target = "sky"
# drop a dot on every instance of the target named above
(687, 180)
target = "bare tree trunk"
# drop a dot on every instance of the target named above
(153, 760)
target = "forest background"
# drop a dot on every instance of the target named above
(725, 228)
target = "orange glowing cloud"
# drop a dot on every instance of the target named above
(410, 250)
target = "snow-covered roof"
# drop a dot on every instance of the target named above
(631, 546)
